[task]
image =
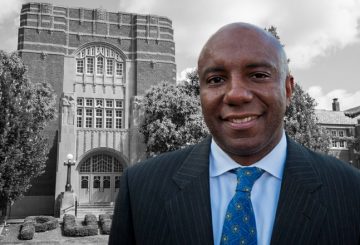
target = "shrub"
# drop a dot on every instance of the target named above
(90, 219)
(105, 223)
(43, 223)
(34, 224)
(71, 228)
(27, 230)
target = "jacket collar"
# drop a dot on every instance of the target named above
(299, 214)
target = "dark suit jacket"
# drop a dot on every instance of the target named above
(166, 200)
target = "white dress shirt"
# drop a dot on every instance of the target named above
(264, 194)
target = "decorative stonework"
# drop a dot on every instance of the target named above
(153, 63)
(81, 13)
(68, 109)
(137, 110)
(100, 14)
(100, 49)
(46, 8)
(43, 55)
(119, 19)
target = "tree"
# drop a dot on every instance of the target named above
(25, 110)
(301, 123)
(172, 118)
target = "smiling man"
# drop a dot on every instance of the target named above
(248, 183)
(244, 88)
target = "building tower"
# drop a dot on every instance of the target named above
(98, 63)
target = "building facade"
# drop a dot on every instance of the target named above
(343, 129)
(98, 63)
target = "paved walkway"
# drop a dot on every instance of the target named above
(10, 236)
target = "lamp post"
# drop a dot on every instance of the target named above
(69, 163)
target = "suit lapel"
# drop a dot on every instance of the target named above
(189, 210)
(299, 213)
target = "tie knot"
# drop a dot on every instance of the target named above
(246, 178)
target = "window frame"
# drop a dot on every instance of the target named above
(88, 67)
(81, 67)
(99, 113)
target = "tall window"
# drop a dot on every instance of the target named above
(100, 65)
(119, 69)
(341, 133)
(118, 118)
(99, 118)
(109, 67)
(80, 66)
(89, 118)
(79, 118)
(109, 118)
(99, 113)
(89, 65)
(100, 60)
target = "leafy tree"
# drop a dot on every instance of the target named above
(301, 122)
(357, 149)
(273, 31)
(25, 109)
(172, 117)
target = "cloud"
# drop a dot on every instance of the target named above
(320, 28)
(9, 9)
(308, 28)
(347, 99)
(182, 75)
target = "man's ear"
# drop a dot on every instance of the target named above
(289, 86)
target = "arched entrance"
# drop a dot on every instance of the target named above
(99, 176)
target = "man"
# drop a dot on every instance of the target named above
(189, 196)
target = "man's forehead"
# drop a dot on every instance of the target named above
(239, 35)
(226, 46)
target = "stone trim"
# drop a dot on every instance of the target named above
(58, 53)
(74, 49)
(35, 9)
(82, 20)
(96, 35)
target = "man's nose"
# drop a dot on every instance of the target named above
(237, 92)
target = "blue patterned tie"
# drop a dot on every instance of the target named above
(239, 224)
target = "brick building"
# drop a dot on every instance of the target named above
(342, 128)
(98, 63)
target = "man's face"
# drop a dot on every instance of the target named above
(243, 94)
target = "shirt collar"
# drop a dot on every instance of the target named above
(273, 162)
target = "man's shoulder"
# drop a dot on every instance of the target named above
(330, 168)
(171, 161)
(163, 161)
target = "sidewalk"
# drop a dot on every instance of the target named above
(11, 233)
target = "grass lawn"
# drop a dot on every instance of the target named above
(10, 236)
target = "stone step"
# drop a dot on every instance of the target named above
(93, 209)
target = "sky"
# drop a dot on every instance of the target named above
(321, 37)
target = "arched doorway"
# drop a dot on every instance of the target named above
(99, 176)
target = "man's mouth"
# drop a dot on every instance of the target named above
(241, 122)
(242, 119)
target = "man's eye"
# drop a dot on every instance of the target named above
(260, 75)
(215, 80)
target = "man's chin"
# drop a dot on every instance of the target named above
(241, 147)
